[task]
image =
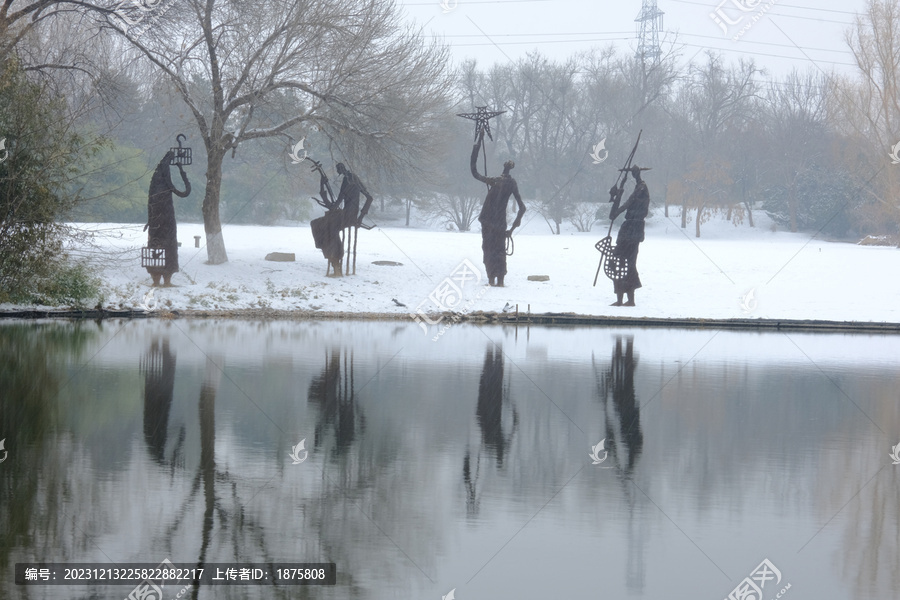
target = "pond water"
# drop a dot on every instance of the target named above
(465, 464)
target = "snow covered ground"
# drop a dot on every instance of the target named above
(730, 272)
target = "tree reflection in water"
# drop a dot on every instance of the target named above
(222, 506)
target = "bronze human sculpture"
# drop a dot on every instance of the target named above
(161, 226)
(326, 230)
(630, 236)
(493, 215)
(342, 213)
(348, 199)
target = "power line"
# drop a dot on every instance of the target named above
(781, 5)
(743, 41)
(470, 3)
(779, 14)
(681, 34)
(704, 46)
(535, 42)
(830, 62)
(478, 35)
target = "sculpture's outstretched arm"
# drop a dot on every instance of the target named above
(616, 197)
(365, 208)
(521, 212)
(474, 160)
(617, 210)
(187, 185)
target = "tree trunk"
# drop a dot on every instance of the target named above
(749, 213)
(408, 208)
(697, 228)
(215, 243)
(684, 211)
(792, 207)
(666, 194)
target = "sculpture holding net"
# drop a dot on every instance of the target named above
(615, 267)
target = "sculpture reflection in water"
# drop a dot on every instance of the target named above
(158, 368)
(624, 438)
(333, 392)
(624, 441)
(495, 439)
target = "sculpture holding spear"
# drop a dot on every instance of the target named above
(621, 259)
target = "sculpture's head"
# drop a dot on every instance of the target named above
(341, 169)
(508, 166)
(167, 159)
(636, 173)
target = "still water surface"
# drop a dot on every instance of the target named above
(460, 464)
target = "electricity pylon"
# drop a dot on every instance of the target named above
(650, 22)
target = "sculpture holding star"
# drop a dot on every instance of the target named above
(482, 123)
(481, 120)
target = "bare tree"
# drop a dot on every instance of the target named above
(704, 187)
(16, 22)
(345, 68)
(795, 113)
(457, 207)
(868, 109)
(719, 105)
(583, 215)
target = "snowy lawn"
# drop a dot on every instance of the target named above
(790, 275)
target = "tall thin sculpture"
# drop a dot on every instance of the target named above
(160, 258)
(630, 236)
(326, 230)
(351, 188)
(493, 215)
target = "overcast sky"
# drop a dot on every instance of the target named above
(785, 35)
